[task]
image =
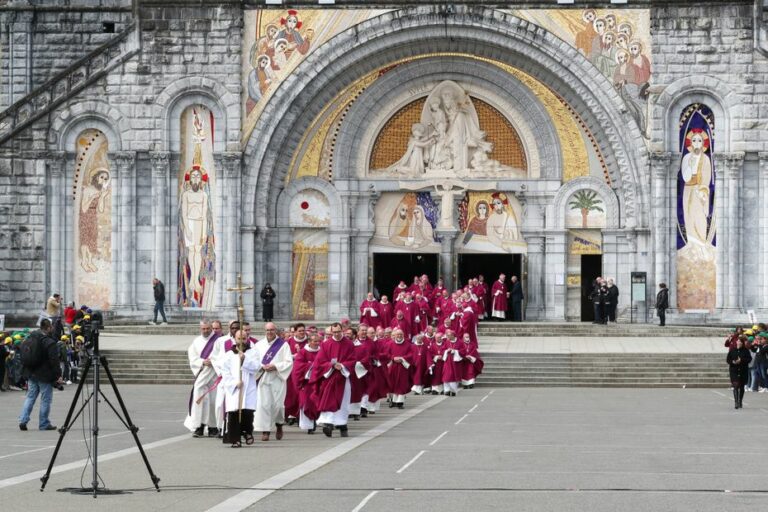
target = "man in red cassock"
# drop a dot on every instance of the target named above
(301, 373)
(385, 312)
(499, 297)
(486, 294)
(468, 324)
(425, 313)
(400, 355)
(473, 364)
(421, 363)
(333, 364)
(436, 350)
(410, 311)
(370, 312)
(400, 288)
(359, 377)
(453, 369)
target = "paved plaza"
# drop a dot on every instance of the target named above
(487, 449)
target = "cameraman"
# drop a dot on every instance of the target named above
(42, 369)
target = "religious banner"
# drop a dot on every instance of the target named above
(277, 41)
(309, 290)
(406, 223)
(616, 41)
(585, 209)
(196, 270)
(696, 242)
(93, 220)
(490, 222)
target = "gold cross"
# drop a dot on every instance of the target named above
(240, 308)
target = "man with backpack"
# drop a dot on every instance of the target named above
(40, 359)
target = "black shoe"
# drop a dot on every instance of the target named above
(435, 393)
(363, 412)
(391, 404)
(23, 426)
(49, 427)
(199, 432)
(400, 405)
(471, 386)
(355, 417)
(328, 430)
(212, 432)
(343, 430)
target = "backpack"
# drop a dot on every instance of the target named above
(31, 349)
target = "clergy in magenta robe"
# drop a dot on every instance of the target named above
(436, 350)
(400, 355)
(202, 413)
(370, 313)
(377, 386)
(402, 323)
(468, 324)
(296, 342)
(276, 362)
(420, 374)
(302, 370)
(400, 288)
(358, 378)
(411, 312)
(425, 313)
(453, 369)
(473, 364)
(385, 311)
(333, 364)
(499, 297)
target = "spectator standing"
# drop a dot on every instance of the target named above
(42, 370)
(159, 289)
(69, 314)
(662, 303)
(268, 302)
(517, 299)
(611, 300)
(738, 361)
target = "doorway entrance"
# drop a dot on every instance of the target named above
(391, 268)
(490, 266)
(591, 268)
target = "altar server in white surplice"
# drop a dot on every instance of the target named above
(276, 362)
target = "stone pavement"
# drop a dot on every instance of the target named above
(523, 449)
(533, 344)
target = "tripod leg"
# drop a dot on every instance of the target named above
(133, 428)
(67, 424)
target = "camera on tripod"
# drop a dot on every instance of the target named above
(90, 326)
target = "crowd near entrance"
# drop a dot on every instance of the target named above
(490, 266)
(591, 268)
(391, 268)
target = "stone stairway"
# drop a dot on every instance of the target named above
(604, 370)
(501, 369)
(77, 77)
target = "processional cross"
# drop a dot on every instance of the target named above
(240, 307)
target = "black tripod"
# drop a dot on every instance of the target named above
(92, 363)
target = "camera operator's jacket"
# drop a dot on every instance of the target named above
(49, 370)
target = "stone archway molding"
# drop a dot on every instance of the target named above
(612, 213)
(188, 91)
(71, 121)
(312, 183)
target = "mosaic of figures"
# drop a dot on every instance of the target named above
(276, 41)
(617, 42)
(585, 209)
(490, 222)
(93, 220)
(309, 294)
(406, 223)
(197, 183)
(696, 241)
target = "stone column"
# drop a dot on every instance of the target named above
(762, 234)
(260, 240)
(230, 214)
(161, 254)
(554, 268)
(447, 243)
(247, 241)
(57, 260)
(535, 298)
(734, 168)
(125, 162)
(664, 214)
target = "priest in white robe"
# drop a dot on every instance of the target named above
(276, 362)
(202, 400)
(223, 343)
(240, 370)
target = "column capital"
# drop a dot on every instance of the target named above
(732, 163)
(763, 157)
(124, 158)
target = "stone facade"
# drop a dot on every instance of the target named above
(711, 53)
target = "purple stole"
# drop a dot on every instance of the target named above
(205, 354)
(273, 350)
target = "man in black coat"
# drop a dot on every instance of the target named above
(662, 303)
(42, 376)
(159, 289)
(597, 296)
(517, 299)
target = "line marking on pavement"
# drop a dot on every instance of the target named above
(485, 397)
(35, 475)
(51, 446)
(360, 505)
(491, 392)
(261, 490)
(461, 419)
(422, 452)
(438, 438)
(473, 408)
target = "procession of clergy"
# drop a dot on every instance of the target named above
(425, 341)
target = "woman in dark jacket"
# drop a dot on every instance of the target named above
(738, 367)
(611, 301)
(267, 302)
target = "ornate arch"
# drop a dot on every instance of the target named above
(607, 194)
(189, 91)
(282, 214)
(482, 31)
(71, 121)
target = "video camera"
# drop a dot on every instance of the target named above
(90, 325)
